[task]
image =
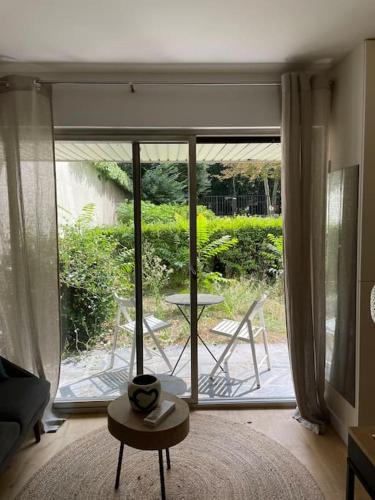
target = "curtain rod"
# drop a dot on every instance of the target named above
(132, 84)
(119, 82)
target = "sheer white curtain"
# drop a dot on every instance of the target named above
(305, 115)
(29, 294)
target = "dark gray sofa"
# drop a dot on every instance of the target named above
(23, 399)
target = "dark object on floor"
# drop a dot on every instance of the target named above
(23, 398)
(361, 460)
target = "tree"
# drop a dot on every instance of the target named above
(256, 169)
(161, 184)
(168, 182)
(203, 179)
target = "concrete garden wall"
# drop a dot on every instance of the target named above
(78, 184)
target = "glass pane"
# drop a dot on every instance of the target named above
(96, 247)
(239, 259)
(165, 264)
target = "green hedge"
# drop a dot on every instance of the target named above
(253, 254)
(156, 214)
(94, 261)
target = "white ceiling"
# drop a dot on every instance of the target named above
(173, 31)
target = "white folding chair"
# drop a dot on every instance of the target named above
(246, 331)
(151, 325)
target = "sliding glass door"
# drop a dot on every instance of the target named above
(166, 283)
(127, 238)
(165, 247)
(240, 262)
(95, 201)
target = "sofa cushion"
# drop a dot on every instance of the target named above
(22, 398)
(3, 373)
(9, 434)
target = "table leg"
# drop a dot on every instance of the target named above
(161, 469)
(200, 338)
(200, 314)
(183, 314)
(119, 463)
(180, 356)
(350, 477)
(206, 346)
(168, 458)
(183, 350)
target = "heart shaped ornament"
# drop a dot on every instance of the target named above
(144, 393)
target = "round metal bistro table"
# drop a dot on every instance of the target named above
(128, 427)
(204, 300)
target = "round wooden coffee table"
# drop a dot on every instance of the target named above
(128, 427)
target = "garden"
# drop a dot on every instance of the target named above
(239, 257)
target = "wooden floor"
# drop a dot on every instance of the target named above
(324, 456)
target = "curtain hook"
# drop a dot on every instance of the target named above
(132, 89)
(37, 84)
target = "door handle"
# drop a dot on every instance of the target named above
(193, 271)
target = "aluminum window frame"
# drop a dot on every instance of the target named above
(192, 137)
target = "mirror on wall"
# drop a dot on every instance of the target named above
(341, 279)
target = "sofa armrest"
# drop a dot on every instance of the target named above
(13, 370)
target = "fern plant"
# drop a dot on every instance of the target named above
(207, 250)
(272, 255)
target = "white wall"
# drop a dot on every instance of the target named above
(346, 138)
(352, 142)
(161, 106)
(166, 106)
(347, 110)
(79, 184)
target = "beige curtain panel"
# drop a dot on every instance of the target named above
(305, 114)
(29, 297)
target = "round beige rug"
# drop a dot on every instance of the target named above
(218, 460)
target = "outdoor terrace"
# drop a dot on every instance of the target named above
(88, 376)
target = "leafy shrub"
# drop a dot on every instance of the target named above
(153, 214)
(155, 273)
(91, 264)
(247, 257)
(111, 171)
(95, 261)
(209, 248)
(272, 254)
